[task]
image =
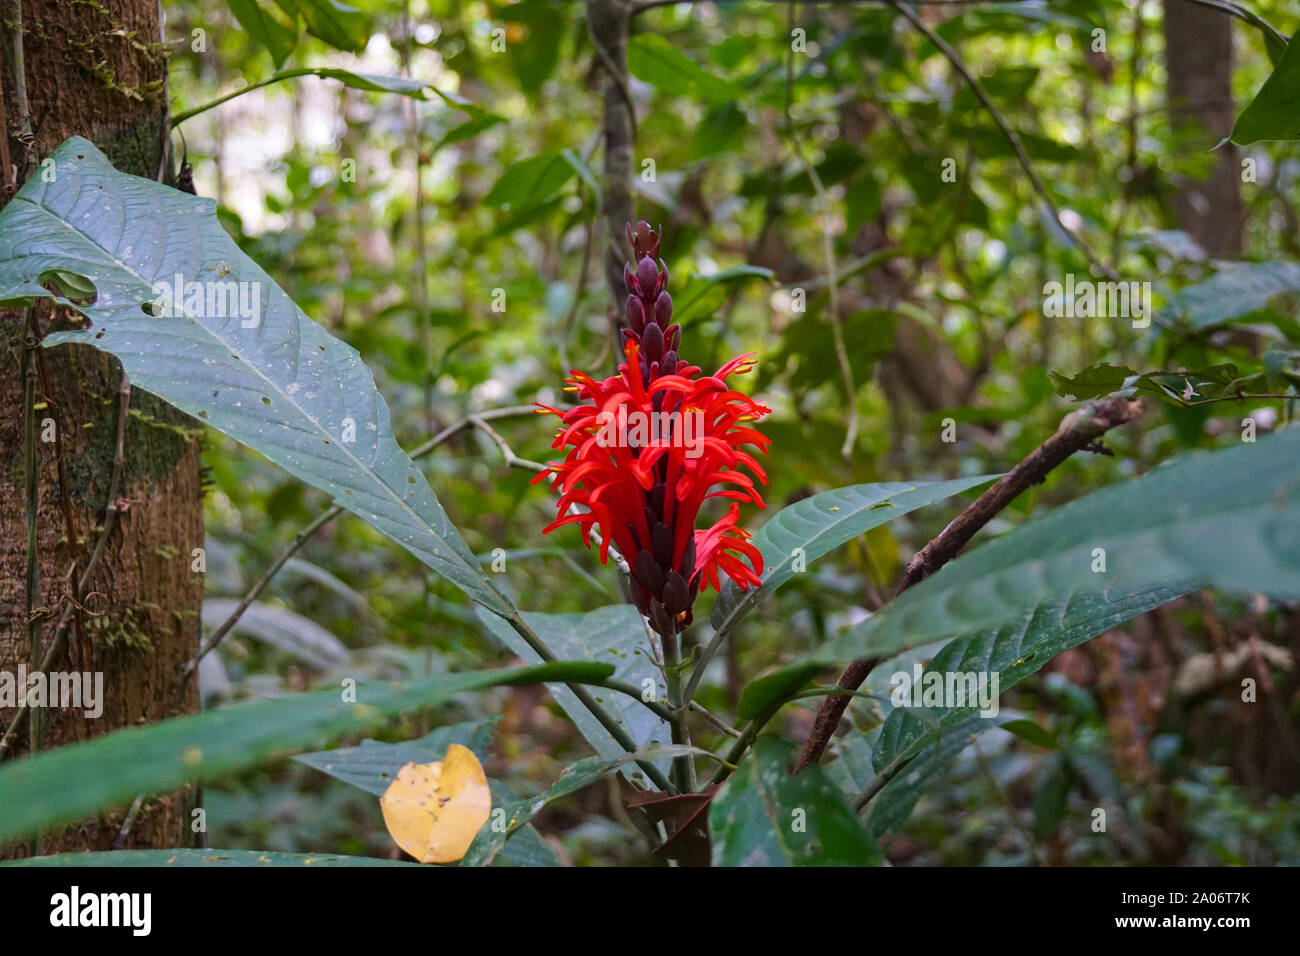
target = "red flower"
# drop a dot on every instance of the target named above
(649, 446)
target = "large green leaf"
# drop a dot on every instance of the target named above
(123, 858)
(1233, 294)
(762, 816)
(341, 26)
(1228, 518)
(613, 635)
(813, 527)
(532, 181)
(269, 26)
(65, 784)
(654, 60)
(1013, 652)
(1274, 113)
(283, 386)
(504, 825)
(894, 803)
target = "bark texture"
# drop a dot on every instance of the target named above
(97, 68)
(1198, 68)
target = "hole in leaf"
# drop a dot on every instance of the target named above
(72, 286)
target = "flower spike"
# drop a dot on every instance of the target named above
(649, 445)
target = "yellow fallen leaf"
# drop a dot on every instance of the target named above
(433, 810)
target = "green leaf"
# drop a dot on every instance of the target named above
(341, 26)
(534, 56)
(66, 784)
(491, 839)
(653, 60)
(530, 182)
(1013, 652)
(1093, 382)
(764, 693)
(69, 285)
(811, 528)
(1274, 113)
(722, 130)
(613, 635)
(283, 385)
(373, 82)
(736, 273)
(762, 816)
(1031, 732)
(582, 169)
(469, 129)
(120, 858)
(862, 202)
(372, 765)
(1229, 519)
(269, 26)
(1234, 294)
(891, 807)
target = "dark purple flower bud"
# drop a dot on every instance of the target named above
(676, 598)
(628, 280)
(635, 313)
(645, 242)
(668, 364)
(661, 544)
(688, 563)
(663, 277)
(673, 337)
(647, 572)
(663, 309)
(660, 619)
(652, 342)
(646, 275)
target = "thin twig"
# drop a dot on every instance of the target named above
(1077, 432)
(119, 841)
(715, 721)
(18, 74)
(511, 459)
(832, 278)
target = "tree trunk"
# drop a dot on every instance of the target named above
(99, 71)
(1198, 68)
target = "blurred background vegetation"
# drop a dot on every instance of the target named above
(940, 299)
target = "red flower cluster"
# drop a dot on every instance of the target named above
(649, 445)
